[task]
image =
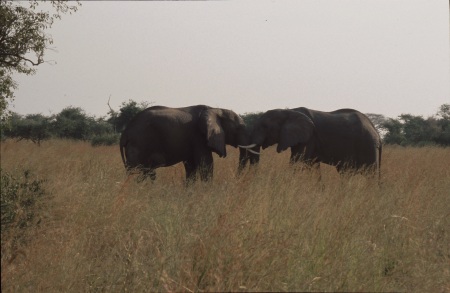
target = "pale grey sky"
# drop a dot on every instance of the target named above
(377, 56)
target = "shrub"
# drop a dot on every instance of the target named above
(19, 196)
(105, 139)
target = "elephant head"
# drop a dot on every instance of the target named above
(224, 127)
(286, 128)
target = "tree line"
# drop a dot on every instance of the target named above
(71, 123)
(74, 123)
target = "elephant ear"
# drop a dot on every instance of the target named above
(298, 129)
(215, 135)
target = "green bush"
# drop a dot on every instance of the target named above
(105, 139)
(19, 198)
(34, 127)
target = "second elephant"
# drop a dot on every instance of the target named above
(344, 138)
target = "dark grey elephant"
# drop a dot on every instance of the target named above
(343, 138)
(160, 136)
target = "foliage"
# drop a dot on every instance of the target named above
(105, 139)
(418, 131)
(443, 124)
(394, 133)
(18, 194)
(72, 123)
(23, 41)
(34, 127)
(250, 118)
(127, 111)
(21, 196)
(378, 120)
(7, 87)
(99, 127)
(444, 112)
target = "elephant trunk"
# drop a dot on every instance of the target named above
(246, 154)
(243, 159)
(257, 140)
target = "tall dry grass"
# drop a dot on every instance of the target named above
(272, 229)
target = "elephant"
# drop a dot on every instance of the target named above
(160, 136)
(344, 138)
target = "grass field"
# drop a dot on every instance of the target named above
(271, 229)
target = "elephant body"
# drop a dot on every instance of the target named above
(161, 136)
(344, 138)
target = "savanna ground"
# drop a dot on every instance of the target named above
(271, 229)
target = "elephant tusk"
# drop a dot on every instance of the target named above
(253, 152)
(247, 146)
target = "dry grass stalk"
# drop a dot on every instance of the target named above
(272, 229)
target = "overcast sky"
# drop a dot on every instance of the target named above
(377, 56)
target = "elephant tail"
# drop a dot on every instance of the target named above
(379, 160)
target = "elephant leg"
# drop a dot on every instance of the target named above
(348, 167)
(295, 158)
(206, 167)
(191, 171)
(341, 169)
(316, 169)
(305, 154)
(147, 173)
(243, 159)
(297, 154)
(151, 174)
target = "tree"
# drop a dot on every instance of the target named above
(127, 111)
(23, 41)
(250, 118)
(444, 112)
(102, 133)
(38, 127)
(418, 131)
(34, 127)
(73, 123)
(443, 138)
(394, 133)
(99, 127)
(377, 120)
